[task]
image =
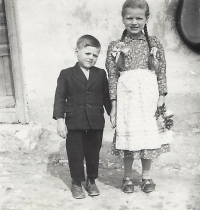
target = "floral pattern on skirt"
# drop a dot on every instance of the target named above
(144, 153)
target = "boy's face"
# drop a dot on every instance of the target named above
(87, 56)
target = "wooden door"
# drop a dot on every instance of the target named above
(7, 93)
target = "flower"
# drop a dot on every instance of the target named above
(120, 47)
(164, 118)
(115, 51)
(168, 123)
(154, 51)
(125, 50)
(169, 113)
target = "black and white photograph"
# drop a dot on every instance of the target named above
(100, 105)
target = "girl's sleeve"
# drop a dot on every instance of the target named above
(113, 74)
(161, 75)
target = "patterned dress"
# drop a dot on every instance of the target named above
(137, 89)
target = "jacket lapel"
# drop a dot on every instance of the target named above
(78, 73)
(94, 73)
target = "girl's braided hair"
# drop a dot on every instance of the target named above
(142, 4)
(147, 37)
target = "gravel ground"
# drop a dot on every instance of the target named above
(39, 179)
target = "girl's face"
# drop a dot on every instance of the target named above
(134, 20)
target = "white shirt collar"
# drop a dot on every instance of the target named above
(86, 72)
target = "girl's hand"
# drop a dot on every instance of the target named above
(61, 128)
(161, 122)
(161, 100)
(113, 117)
(113, 113)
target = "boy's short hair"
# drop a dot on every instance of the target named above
(88, 40)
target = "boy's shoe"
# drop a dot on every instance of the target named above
(148, 185)
(77, 190)
(91, 187)
(127, 185)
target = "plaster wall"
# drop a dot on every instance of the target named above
(49, 29)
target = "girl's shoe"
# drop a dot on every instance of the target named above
(127, 185)
(147, 185)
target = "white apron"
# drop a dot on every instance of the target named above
(136, 125)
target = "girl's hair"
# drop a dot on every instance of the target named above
(88, 40)
(142, 4)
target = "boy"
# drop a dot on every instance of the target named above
(81, 93)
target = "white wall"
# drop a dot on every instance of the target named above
(49, 30)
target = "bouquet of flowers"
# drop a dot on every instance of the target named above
(164, 118)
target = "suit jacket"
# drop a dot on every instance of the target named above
(80, 100)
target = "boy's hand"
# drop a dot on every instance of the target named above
(61, 128)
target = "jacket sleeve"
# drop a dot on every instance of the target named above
(60, 97)
(106, 98)
(113, 74)
(161, 75)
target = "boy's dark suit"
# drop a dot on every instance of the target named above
(81, 102)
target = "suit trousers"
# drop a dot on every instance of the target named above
(80, 145)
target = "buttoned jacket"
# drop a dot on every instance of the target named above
(80, 101)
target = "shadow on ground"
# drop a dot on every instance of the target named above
(57, 165)
(110, 167)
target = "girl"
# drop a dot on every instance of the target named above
(137, 83)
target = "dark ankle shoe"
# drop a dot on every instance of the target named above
(148, 185)
(127, 185)
(91, 187)
(77, 190)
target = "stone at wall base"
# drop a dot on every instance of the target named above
(16, 137)
(30, 136)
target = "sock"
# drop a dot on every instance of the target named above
(128, 162)
(146, 174)
(129, 180)
(146, 168)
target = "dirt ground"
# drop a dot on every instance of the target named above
(39, 179)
